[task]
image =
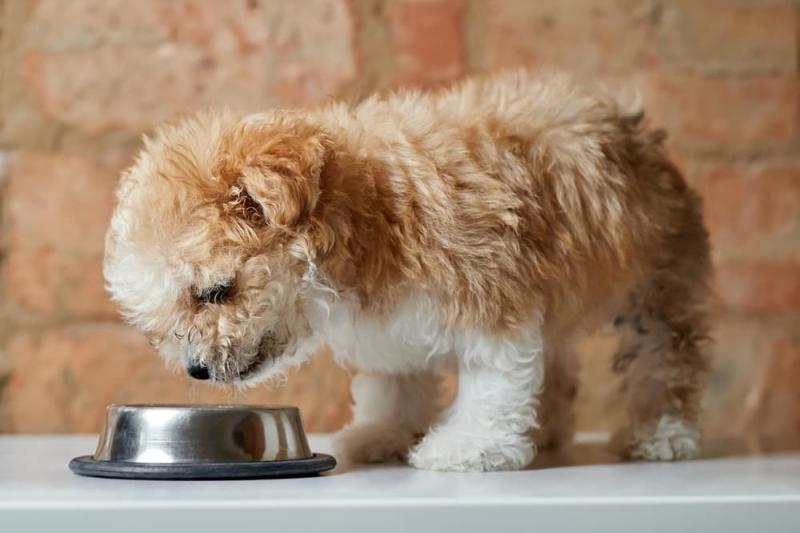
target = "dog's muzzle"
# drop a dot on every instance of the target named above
(198, 371)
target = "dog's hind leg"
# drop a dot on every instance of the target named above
(390, 413)
(664, 362)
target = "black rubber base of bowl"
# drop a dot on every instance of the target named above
(87, 465)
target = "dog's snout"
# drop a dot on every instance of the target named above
(198, 371)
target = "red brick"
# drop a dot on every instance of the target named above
(780, 393)
(752, 210)
(63, 378)
(427, 41)
(716, 111)
(760, 285)
(58, 210)
(753, 385)
(127, 66)
(729, 36)
(586, 36)
(121, 67)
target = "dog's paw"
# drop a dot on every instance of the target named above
(671, 439)
(462, 451)
(373, 443)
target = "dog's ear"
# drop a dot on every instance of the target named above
(279, 168)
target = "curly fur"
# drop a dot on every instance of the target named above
(487, 225)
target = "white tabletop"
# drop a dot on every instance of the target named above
(571, 491)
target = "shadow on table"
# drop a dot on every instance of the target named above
(598, 451)
(594, 449)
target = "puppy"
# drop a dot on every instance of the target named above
(488, 225)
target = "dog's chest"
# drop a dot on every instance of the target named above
(411, 338)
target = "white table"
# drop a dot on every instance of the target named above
(572, 491)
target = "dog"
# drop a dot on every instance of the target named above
(488, 225)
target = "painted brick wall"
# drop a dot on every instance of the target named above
(82, 80)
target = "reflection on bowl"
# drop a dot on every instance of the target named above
(173, 434)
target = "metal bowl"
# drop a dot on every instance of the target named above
(201, 434)
(202, 442)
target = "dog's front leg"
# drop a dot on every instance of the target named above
(390, 412)
(488, 427)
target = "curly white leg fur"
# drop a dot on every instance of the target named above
(459, 449)
(390, 412)
(488, 426)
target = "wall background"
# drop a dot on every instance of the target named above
(82, 80)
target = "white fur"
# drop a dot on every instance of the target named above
(412, 339)
(142, 278)
(488, 426)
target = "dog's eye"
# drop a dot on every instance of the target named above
(216, 294)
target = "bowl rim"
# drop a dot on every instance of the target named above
(317, 463)
(202, 407)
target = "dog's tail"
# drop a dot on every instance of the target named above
(630, 111)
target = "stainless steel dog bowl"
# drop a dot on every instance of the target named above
(201, 442)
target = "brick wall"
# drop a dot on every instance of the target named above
(81, 80)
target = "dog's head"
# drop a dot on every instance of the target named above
(209, 252)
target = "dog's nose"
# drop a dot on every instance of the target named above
(198, 371)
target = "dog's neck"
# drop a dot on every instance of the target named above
(361, 225)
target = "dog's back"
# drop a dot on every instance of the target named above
(544, 191)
